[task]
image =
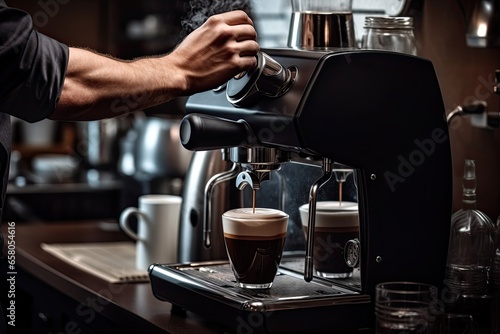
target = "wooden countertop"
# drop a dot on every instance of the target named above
(132, 304)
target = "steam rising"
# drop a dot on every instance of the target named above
(201, 10)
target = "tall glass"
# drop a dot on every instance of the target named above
(321, 24)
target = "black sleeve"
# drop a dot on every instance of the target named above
(32, 67)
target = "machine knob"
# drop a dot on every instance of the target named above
(352, 253)
(267, 79)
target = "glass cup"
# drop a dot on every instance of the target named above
(254, 243)
(336, 224)
(458, 324)
(404, 307)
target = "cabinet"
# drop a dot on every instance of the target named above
(41, 309)
(55, 297)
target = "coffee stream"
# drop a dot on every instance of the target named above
(254, 193)
(340, 193)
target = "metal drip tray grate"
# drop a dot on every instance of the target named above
(209, 289)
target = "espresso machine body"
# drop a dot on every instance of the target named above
(382, 114)
(378, 112)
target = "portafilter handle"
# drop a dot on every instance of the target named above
(199, 132)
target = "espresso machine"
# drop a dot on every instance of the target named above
(377, 113)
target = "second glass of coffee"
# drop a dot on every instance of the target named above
(254, 243)
(336, 224)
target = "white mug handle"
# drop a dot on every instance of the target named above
(124, 219)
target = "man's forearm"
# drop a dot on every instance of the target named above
(97, 86)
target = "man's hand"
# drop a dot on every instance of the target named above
(98, 86)
(222, 47)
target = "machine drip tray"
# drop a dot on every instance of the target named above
(290, 305)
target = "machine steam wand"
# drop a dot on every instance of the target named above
(313, 193)
(209, 189)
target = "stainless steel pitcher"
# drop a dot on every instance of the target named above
(321, 24)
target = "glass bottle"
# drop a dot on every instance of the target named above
(470, 252)
(389, 33)
(471, 245)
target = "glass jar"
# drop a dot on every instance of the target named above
(389, 33)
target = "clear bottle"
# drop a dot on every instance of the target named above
(389, 33)
(471, 245)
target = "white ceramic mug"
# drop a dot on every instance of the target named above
(157, 229)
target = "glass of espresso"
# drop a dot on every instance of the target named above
(254, 242)
(336, 224)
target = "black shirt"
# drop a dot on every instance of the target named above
(32, 70)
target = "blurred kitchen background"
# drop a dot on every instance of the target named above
(99, 170)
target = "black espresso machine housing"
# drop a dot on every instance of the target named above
(378, 112)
